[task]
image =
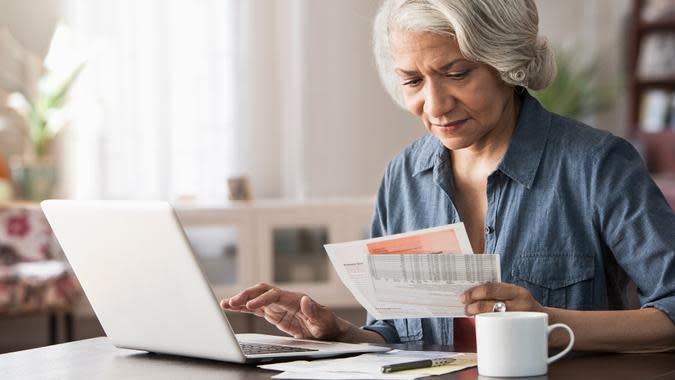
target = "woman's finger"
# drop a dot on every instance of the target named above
(484, 306)
(310, 309)
(271, 296)
(225, 305)
(490, 291)
(248, 294)
(321, 322)
(241, 309)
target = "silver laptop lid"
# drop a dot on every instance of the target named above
(113, 246)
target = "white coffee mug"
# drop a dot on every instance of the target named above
(513, 344)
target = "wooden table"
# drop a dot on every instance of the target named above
(98, 359)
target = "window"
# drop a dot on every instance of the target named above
(156, 114)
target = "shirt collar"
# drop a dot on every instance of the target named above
(523, 155)
(430, 153)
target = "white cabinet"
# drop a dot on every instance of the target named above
(277, 242)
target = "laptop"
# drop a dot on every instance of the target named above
(148, 291)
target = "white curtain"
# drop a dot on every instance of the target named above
(156, 107)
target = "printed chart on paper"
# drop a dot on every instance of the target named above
(413, 275)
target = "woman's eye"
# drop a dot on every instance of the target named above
(412, 82)
(458, 75)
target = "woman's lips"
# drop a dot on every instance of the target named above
(451, 126)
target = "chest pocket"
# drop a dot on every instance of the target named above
(409, 330)
(564, 281)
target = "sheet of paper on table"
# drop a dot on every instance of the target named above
(368, 366)
(417, 274)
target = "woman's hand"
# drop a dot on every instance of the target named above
(482, 298)
(293, 313)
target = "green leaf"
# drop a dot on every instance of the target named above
(58, 98)
(575, 92)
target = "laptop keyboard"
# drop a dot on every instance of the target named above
(261, 348)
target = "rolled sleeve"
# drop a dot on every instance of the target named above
(637, 224)
(666, 305)
(384, 328)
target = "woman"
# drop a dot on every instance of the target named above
(570, 209)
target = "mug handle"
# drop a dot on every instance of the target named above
(569, 346)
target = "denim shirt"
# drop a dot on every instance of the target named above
(571, 210)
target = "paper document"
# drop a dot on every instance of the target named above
(413, 275)
(322, 375)
(368, 366)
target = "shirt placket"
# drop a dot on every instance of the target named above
(493, 193)
(443, 178)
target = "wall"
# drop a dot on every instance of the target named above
(31, 22)
(352, 128)
(597, 30)
(318, 122)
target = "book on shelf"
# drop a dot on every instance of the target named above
(657, 56)
(658, 10)
(656, 110)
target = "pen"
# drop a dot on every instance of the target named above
(416, 364)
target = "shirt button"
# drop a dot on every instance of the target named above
(489, 230)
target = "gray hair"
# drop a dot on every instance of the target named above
(500, 33)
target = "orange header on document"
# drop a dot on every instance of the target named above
(430, 242)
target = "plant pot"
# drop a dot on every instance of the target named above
(4, 168)
(34, 180)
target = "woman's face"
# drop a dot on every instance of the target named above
(462, 103)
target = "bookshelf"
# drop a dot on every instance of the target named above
(651, 79)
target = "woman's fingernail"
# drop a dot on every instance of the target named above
(462, 298)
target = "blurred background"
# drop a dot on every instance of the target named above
(262, 121)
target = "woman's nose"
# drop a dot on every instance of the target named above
(437, 101)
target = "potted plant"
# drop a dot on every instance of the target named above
(34, 174)
(33, 92)
(576, 92)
